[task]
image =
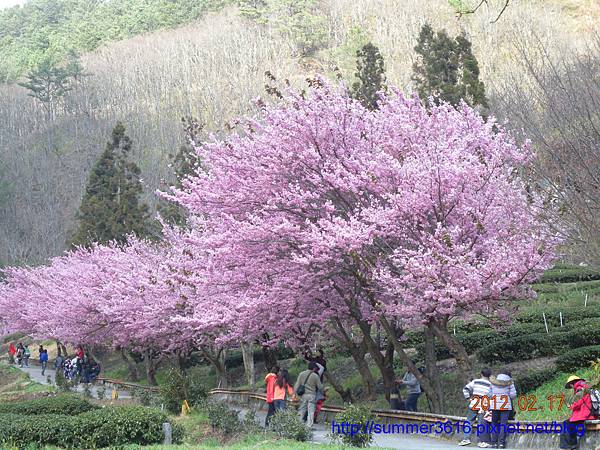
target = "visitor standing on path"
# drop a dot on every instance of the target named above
(283, 387)
(503, 393)
(474, 390)
(20, 350)
(270, 380)
(26, 355)
(413, 390)
(43, 359)
(307, 386)
(12, 351)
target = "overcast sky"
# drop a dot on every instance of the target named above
(7, 3)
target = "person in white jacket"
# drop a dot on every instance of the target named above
(503, 393)
(474, 392)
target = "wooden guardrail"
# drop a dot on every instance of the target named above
(126, 384)
(591, 425)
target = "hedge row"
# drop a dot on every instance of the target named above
(569, 274)
(106, 427)
(580, 357)
(532, 380)
(538, 344)
(570, 314)
(69, 405)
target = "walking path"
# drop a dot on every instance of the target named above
(320, 431)
(35, 373)
(397, 441)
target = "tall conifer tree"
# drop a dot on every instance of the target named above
(111, 207)
(447, 69)
(370, 74)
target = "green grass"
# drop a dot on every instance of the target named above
(15, 384)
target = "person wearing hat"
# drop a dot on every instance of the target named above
(502, 394)
(581, 407)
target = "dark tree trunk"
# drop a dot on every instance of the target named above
(151, 367)
(435, 401)
(217, 359)
(344, 393)
(431, 367)
(269, 357)
(131, 365)
(456, 348)
(358, 353)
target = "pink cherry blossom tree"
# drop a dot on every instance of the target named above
(404, 216)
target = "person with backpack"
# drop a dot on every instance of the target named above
(43, 359)
(502, 395)
(26, 355)
(473, 392)
(585, 405)
(283, 387)
(306, 387)
(270, 380)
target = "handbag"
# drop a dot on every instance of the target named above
(301, 388)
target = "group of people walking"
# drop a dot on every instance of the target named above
(20, 354)
(308, 389)
(82, 366)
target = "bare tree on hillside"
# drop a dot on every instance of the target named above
(558, 104)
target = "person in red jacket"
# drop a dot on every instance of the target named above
(12, 351)
(270, 380)
(581, 408)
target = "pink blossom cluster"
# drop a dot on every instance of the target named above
(318, 209)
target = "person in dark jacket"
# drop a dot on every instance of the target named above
(43, 359)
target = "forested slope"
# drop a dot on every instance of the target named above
(210, 68)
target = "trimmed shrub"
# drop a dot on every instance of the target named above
(178, 387)
(532, 380)
(355, 415)
(287, 425)
(69, 405)
(569, 274)
(570, 314)
(574, 359)
(106, 427)
(539, 344)
(221, 417)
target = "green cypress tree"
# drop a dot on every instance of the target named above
(185, 163)
(447, 69)
(111, 207)
(370, 74)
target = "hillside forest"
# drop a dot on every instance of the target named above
(150, 64)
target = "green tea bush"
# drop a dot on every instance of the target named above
(105, 427)
(287, 425)
(532, 380)
(574, 359)
(355, 415)
(178, 387)
(69, 405)
(221, 417)
(539, 344)
(570, 314)
(569, 274)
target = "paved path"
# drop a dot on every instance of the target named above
(404, 442)
(35, 373)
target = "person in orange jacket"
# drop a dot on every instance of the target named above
(270, 380)
(581, 408)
